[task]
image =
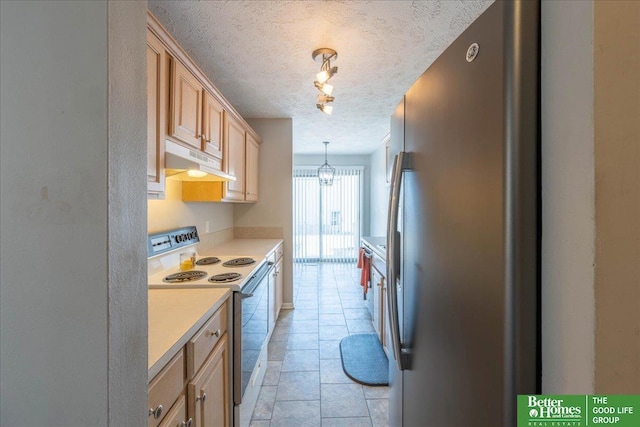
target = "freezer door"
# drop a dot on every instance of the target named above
(457, 228)
(394, 284)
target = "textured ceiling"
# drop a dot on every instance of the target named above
(258, 53)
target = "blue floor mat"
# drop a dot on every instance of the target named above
(364, 360)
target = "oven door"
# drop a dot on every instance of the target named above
(251, 324)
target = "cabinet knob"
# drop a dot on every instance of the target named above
(202, 398)
(157, 413)
(187, 423)
(215, 333)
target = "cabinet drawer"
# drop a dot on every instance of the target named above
(199, 347)
(275, 255)
(165, 388)
(379, 265)
(177, 417)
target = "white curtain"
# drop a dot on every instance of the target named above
(327, 219)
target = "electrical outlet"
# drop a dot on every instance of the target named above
(206, 226)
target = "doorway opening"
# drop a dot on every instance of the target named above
(327, 220)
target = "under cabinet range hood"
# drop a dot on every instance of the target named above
(185, 164)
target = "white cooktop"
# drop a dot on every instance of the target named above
(161, 266)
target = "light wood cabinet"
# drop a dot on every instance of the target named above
(156, 114)
(165, 389)
(378, 295)
(385, 333)
(212, 126)
(200, 346)
(279, 287)
(186, 106)
(251, 169)
(208, 392)
(177, 417)
(234, 159)
(275, 286)
(377, 280)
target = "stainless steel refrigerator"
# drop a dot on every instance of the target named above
(463, 229)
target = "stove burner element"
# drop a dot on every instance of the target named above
(224, 278)
(185, 276)
(239, 262)
(208, 260)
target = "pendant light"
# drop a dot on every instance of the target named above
(326, 172)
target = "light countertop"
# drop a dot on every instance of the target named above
(175, 315)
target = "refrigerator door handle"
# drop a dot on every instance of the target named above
(393, 256)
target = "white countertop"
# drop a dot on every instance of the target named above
(175, 315)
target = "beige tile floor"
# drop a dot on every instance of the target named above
(304, 384)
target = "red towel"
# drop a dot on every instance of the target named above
(363, 263)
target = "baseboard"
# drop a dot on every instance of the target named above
(287, 306)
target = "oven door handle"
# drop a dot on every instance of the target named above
(255, 281)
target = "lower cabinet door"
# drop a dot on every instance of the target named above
(376, 291)
(177, 417)
(208, 391)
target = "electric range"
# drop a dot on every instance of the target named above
(164, 271)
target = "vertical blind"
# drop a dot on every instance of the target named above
(327, 219)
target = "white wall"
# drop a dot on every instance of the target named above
(274, 208)
(127, 231)
(567, 198)
(617, 196)
(65, 167)
(345, 160)
(379, 193)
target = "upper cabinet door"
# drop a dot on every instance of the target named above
(234, 158)
(156, 113)
(251, 172)
(186, 105)
(213, 122)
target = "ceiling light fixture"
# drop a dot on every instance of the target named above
(327, 109)
(326, 72)
(326, 172)
(323, 99)
(325, 88)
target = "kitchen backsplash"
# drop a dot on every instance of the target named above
(210, 240)
(258, 233)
